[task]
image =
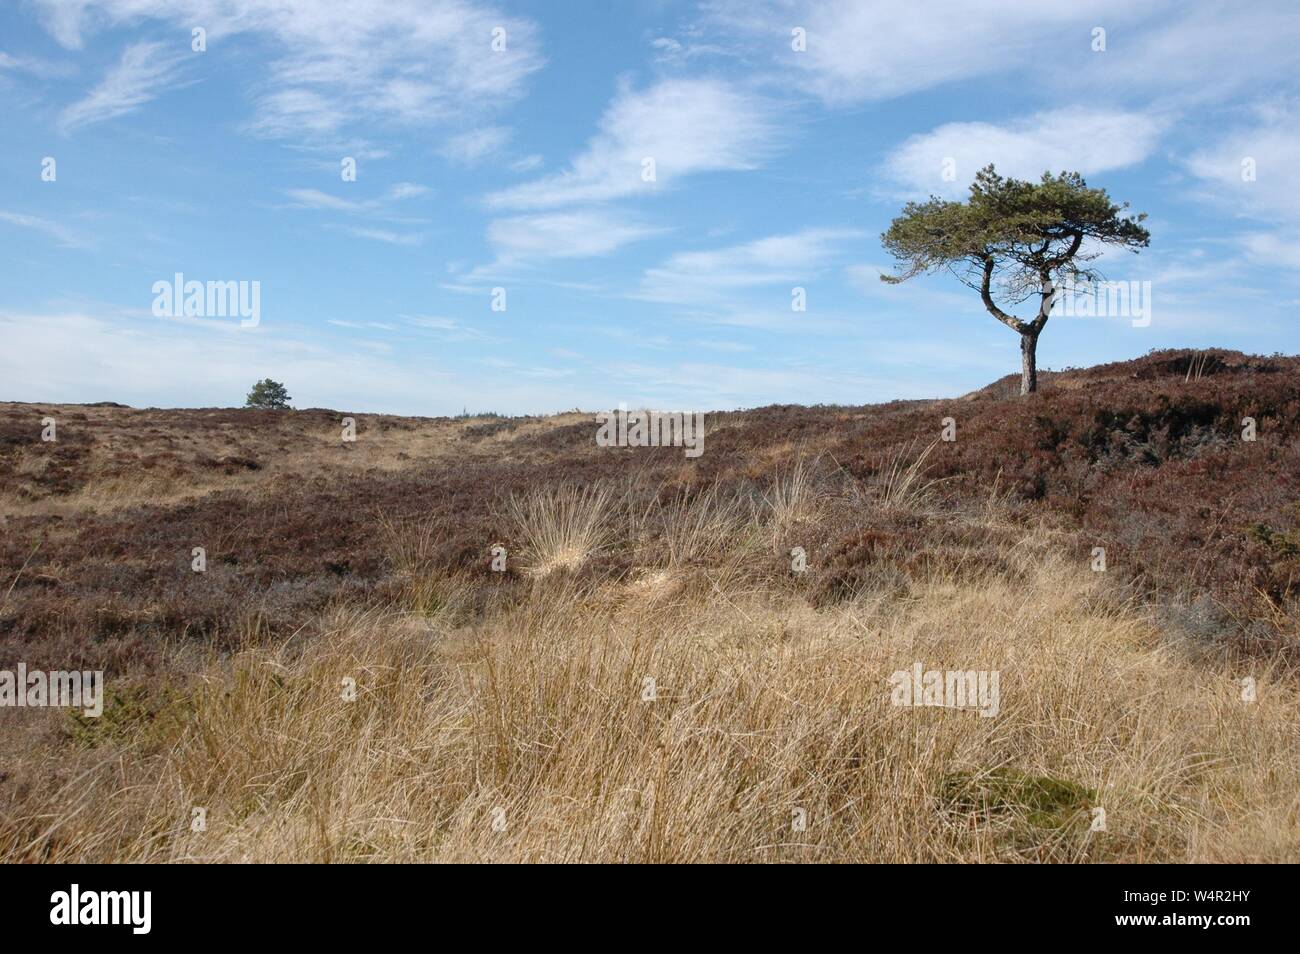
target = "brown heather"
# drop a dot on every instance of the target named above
(518, 697)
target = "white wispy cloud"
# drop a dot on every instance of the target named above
(144, 71)
(470, 148)
(874, 51)
(378, 210)
(717, 275)
(1251, 170)
(407, 190)
(862, 52)
(1273, 249)
(298, 112)
(447, 329)
(677, 52)
(35, 66)
(1248, 174)
(686, 126)
(316, 199)
(64, 236)
(361, 325)
(384, 235)
(1077, 140)
(576, 234)
(1197, 53)
(911, 296)
(406, 62)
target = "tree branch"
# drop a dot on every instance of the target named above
(1011, 321)
(1048, 287)
(1075, 243)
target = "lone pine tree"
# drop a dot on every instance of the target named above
(268, 394)
(1014, 239)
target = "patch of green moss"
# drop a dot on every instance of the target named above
(132, 714)
(1284, 543)
(1041, 800)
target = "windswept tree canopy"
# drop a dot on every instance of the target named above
(1013, 239)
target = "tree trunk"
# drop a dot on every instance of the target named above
(1028, 363)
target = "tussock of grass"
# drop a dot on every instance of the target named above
(701, 528)
(562, 527)
(792, 499)
(902, 484)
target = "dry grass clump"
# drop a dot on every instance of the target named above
(577, 727)
(901, 484)
(701, 542)
(711, 529)
(562, 527)
(793, 498)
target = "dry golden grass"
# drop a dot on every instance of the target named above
(793, 499)
(562, 527)
(706, 529)
(136, 456)
(902, 484)
(635, 721)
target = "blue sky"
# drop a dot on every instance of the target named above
(523, 169)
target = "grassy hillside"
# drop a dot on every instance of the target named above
(507, 715)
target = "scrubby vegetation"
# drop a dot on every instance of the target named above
(504, 715)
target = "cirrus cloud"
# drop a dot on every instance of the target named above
(686, 126)
(404, 62)
(1078, 140)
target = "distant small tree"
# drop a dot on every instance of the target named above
(268, 394)
(1014, 239)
